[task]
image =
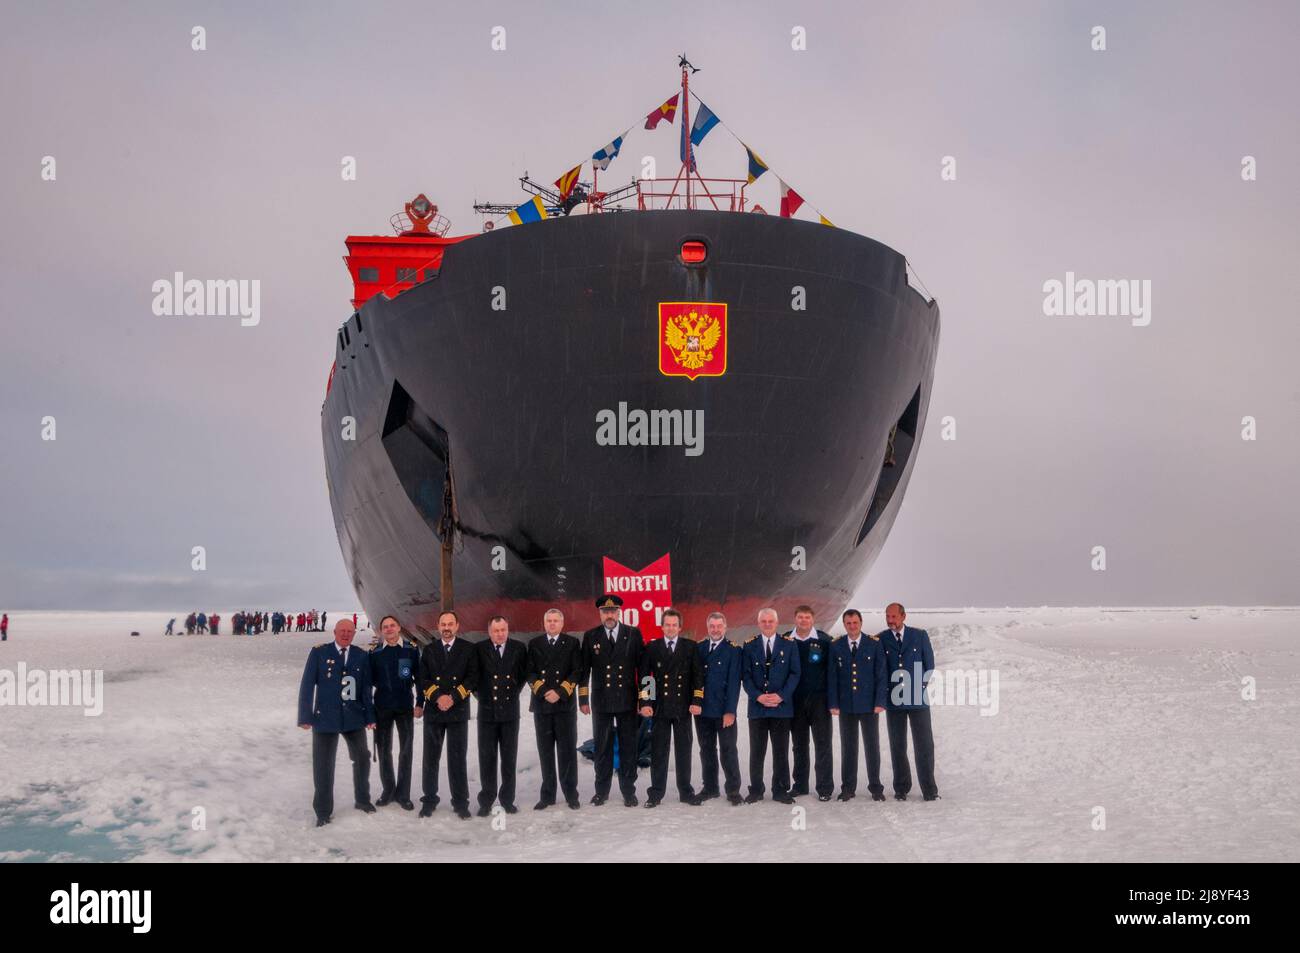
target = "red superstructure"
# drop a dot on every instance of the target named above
(391, 264)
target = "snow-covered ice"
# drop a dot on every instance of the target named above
(1139, 712)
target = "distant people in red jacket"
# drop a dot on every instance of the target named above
(4, 627)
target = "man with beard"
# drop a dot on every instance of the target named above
(611, 658)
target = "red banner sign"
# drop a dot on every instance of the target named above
(645, 594)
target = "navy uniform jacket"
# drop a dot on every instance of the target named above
(500, 680)
(678, 677)
(325, 681)
(454, 675)
(814, 663)
(915, 649)
(393, 672)
(857, 685)
(782, 678)
(556, 669)
(611, 668)
(721, 678)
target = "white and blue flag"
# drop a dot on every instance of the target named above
(605, 156)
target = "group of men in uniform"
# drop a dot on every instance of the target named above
(797, 684)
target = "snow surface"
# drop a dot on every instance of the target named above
(1137, 711)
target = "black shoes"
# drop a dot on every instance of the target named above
(753, 798)
(322, 821)
(464, 814)
(900, 797)
(541, 805)
(406, 805)
(384, 800)
(574, 805)
(707, 796)
(694, 800)
(484, 810)
(823, 797)
(509, 808)
(599, 799)
(798, 791)
(845, 796)
(735, 800)
(932, 797)
(366, 807)
(783, 798)
(426, 810)
(878, 796)
(651, 802)
(630, 801)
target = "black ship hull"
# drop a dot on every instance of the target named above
(497, 369)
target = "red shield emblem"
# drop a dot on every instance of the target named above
(692, 339)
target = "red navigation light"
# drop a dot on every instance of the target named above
(694, 252)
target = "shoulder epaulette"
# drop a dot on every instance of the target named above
(788, 638)
(322, 645)
(750, 639)
(874, 638)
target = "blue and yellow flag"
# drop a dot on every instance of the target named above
(531, 211)
(756, 165)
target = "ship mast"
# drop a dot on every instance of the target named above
(641, 193)
(686, 127)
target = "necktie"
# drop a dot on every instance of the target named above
(767, 645)
(345, 658)
(552, 641)
(854, 646)
(501, 651)
(713, 644)
(670, 646)
(447, 646)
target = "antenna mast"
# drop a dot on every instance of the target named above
(686, 120)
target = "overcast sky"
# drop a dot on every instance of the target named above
(1072, 432)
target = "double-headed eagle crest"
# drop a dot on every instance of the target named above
(692, 337)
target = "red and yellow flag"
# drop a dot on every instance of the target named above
(566, 182)
(667, 111)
